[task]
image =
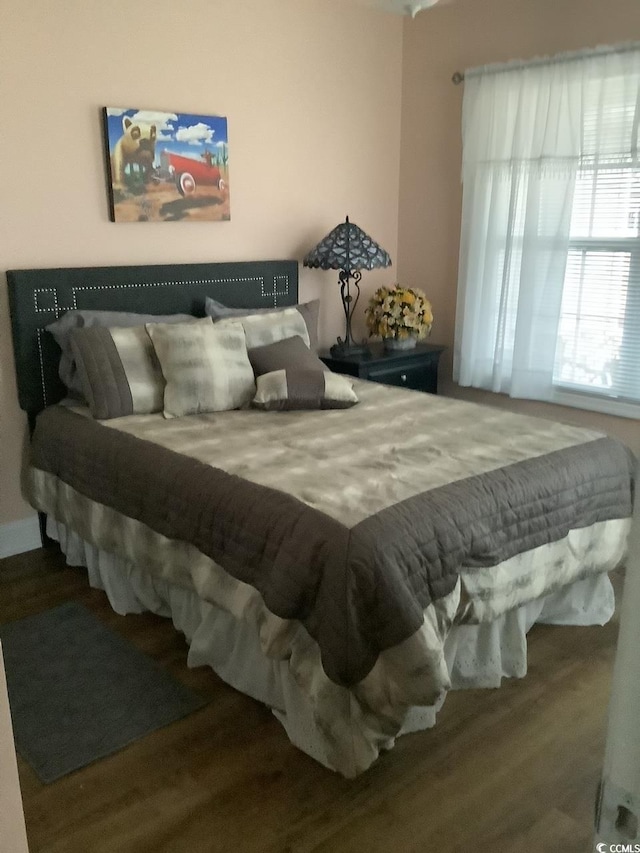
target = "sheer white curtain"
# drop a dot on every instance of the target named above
(528, 133)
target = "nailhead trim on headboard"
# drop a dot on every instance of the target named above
(58, 310)
(40, 333)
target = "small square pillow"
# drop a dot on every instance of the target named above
(82, 318)
(205, 366)
(288, 390)
(285, 354)
(118, 371)
(308, 311)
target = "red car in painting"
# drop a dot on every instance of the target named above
(189, 173)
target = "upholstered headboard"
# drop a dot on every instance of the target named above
(37, 297)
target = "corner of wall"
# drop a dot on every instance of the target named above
(16, 537)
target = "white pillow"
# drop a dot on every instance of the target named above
(205, 366)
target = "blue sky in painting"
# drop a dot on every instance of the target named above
(182, 133)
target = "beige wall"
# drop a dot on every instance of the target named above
(452, 37)
(311, 89)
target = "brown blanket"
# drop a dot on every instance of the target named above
(358, 584)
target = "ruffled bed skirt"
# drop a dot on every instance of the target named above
(476, 655)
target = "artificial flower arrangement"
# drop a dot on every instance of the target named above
(399, 312)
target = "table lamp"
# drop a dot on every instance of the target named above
(347, 248)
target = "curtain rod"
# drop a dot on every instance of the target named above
(458, 76)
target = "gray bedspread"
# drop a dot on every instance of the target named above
(350, 522)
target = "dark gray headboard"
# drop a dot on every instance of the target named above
(37, 297)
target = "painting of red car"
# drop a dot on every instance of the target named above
(166, 166)
(189, 173)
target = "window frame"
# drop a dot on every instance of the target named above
(580, 396)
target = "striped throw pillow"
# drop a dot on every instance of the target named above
(288, 390)
(118, 370)
(82, 318)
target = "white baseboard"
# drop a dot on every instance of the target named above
(16, 537)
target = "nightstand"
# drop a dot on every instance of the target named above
(415, 368)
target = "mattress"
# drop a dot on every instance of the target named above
(353, 539)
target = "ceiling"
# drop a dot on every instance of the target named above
(400, 7)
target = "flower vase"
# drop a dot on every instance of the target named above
(393, 344)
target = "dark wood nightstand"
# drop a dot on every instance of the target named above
(415, 368)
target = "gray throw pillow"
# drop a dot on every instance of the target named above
(286, 354)
(82, 318)
(309, 312)
(289, 390)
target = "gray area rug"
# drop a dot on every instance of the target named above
(79, 692)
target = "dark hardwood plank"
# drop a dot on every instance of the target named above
(504, 770)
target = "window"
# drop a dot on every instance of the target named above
(598, 349)
(549, 277)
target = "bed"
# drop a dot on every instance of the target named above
(345, 567)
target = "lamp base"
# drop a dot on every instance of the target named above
(342, 349)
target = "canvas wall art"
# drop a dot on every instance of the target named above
(166, 167)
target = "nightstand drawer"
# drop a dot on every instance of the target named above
(418, 378)
(416, 368)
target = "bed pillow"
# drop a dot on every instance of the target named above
(82, 318)
(205, 366)
(288, 353)
(288, 390)
(118, 371)
(308, 311)
(262, 329)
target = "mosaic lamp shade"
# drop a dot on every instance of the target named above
(347, 248)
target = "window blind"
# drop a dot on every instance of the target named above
(598, 347)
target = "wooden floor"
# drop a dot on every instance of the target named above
(514, 769)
